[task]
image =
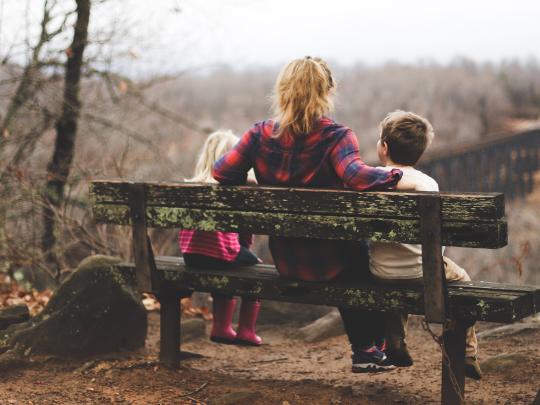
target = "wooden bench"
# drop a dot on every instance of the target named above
(432, 219)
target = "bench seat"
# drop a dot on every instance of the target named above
(476, 300)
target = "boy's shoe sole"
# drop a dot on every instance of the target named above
(371, 368)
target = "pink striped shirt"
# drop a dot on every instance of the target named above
(219, 245)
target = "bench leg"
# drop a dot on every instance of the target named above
(169, 344)
(453, 368)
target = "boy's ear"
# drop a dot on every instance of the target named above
(384, 147)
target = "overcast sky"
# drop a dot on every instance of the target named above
(174, 34)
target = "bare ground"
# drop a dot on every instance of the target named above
(283, 371)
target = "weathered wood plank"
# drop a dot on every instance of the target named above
(435, 292)
(142, 246)
(466, 302)
(457, 207)
(453, 365)
(169, 344)
(464, 234)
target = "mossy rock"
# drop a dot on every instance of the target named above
(95, 310)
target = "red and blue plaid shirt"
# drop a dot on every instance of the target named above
(326, 157)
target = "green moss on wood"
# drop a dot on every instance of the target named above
(483, 308)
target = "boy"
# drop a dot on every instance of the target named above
(403, 139)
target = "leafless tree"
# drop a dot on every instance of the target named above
(66, 131)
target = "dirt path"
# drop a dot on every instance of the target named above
(283, 371)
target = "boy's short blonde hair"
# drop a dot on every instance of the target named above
(407, 136)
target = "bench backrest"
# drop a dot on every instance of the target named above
(432, 219)
(468, 220)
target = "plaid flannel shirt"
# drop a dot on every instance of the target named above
(326, 157)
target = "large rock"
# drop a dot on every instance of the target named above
(96, 310)
(323, 328)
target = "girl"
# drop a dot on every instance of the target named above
(221, 250)
(301, 146)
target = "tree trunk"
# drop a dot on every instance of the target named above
(66, 130)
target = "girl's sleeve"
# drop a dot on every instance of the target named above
(355, 173)
(233, 167)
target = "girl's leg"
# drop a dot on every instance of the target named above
(249, 311)
(223, 306)
(223, 311)
(205, 262)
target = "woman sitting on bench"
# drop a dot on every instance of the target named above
(302, 147)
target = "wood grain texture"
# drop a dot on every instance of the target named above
(435, 291)
(487, 234)
(142, 247)
(169, 344)
(455, 207)
(453, 366)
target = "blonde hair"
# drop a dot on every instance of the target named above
(216, 145)
(302, 95)
(407, 135)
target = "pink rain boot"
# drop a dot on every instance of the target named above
(223, 309)
(246, 323)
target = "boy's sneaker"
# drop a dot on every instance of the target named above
(472, 368)
(399, 357)
(370, 360)
(381, 345)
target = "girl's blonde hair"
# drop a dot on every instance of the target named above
(302, 95)
(216, 145)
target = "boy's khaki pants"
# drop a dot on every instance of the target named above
(396, 323)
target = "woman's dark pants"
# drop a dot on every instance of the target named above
(364, 328)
